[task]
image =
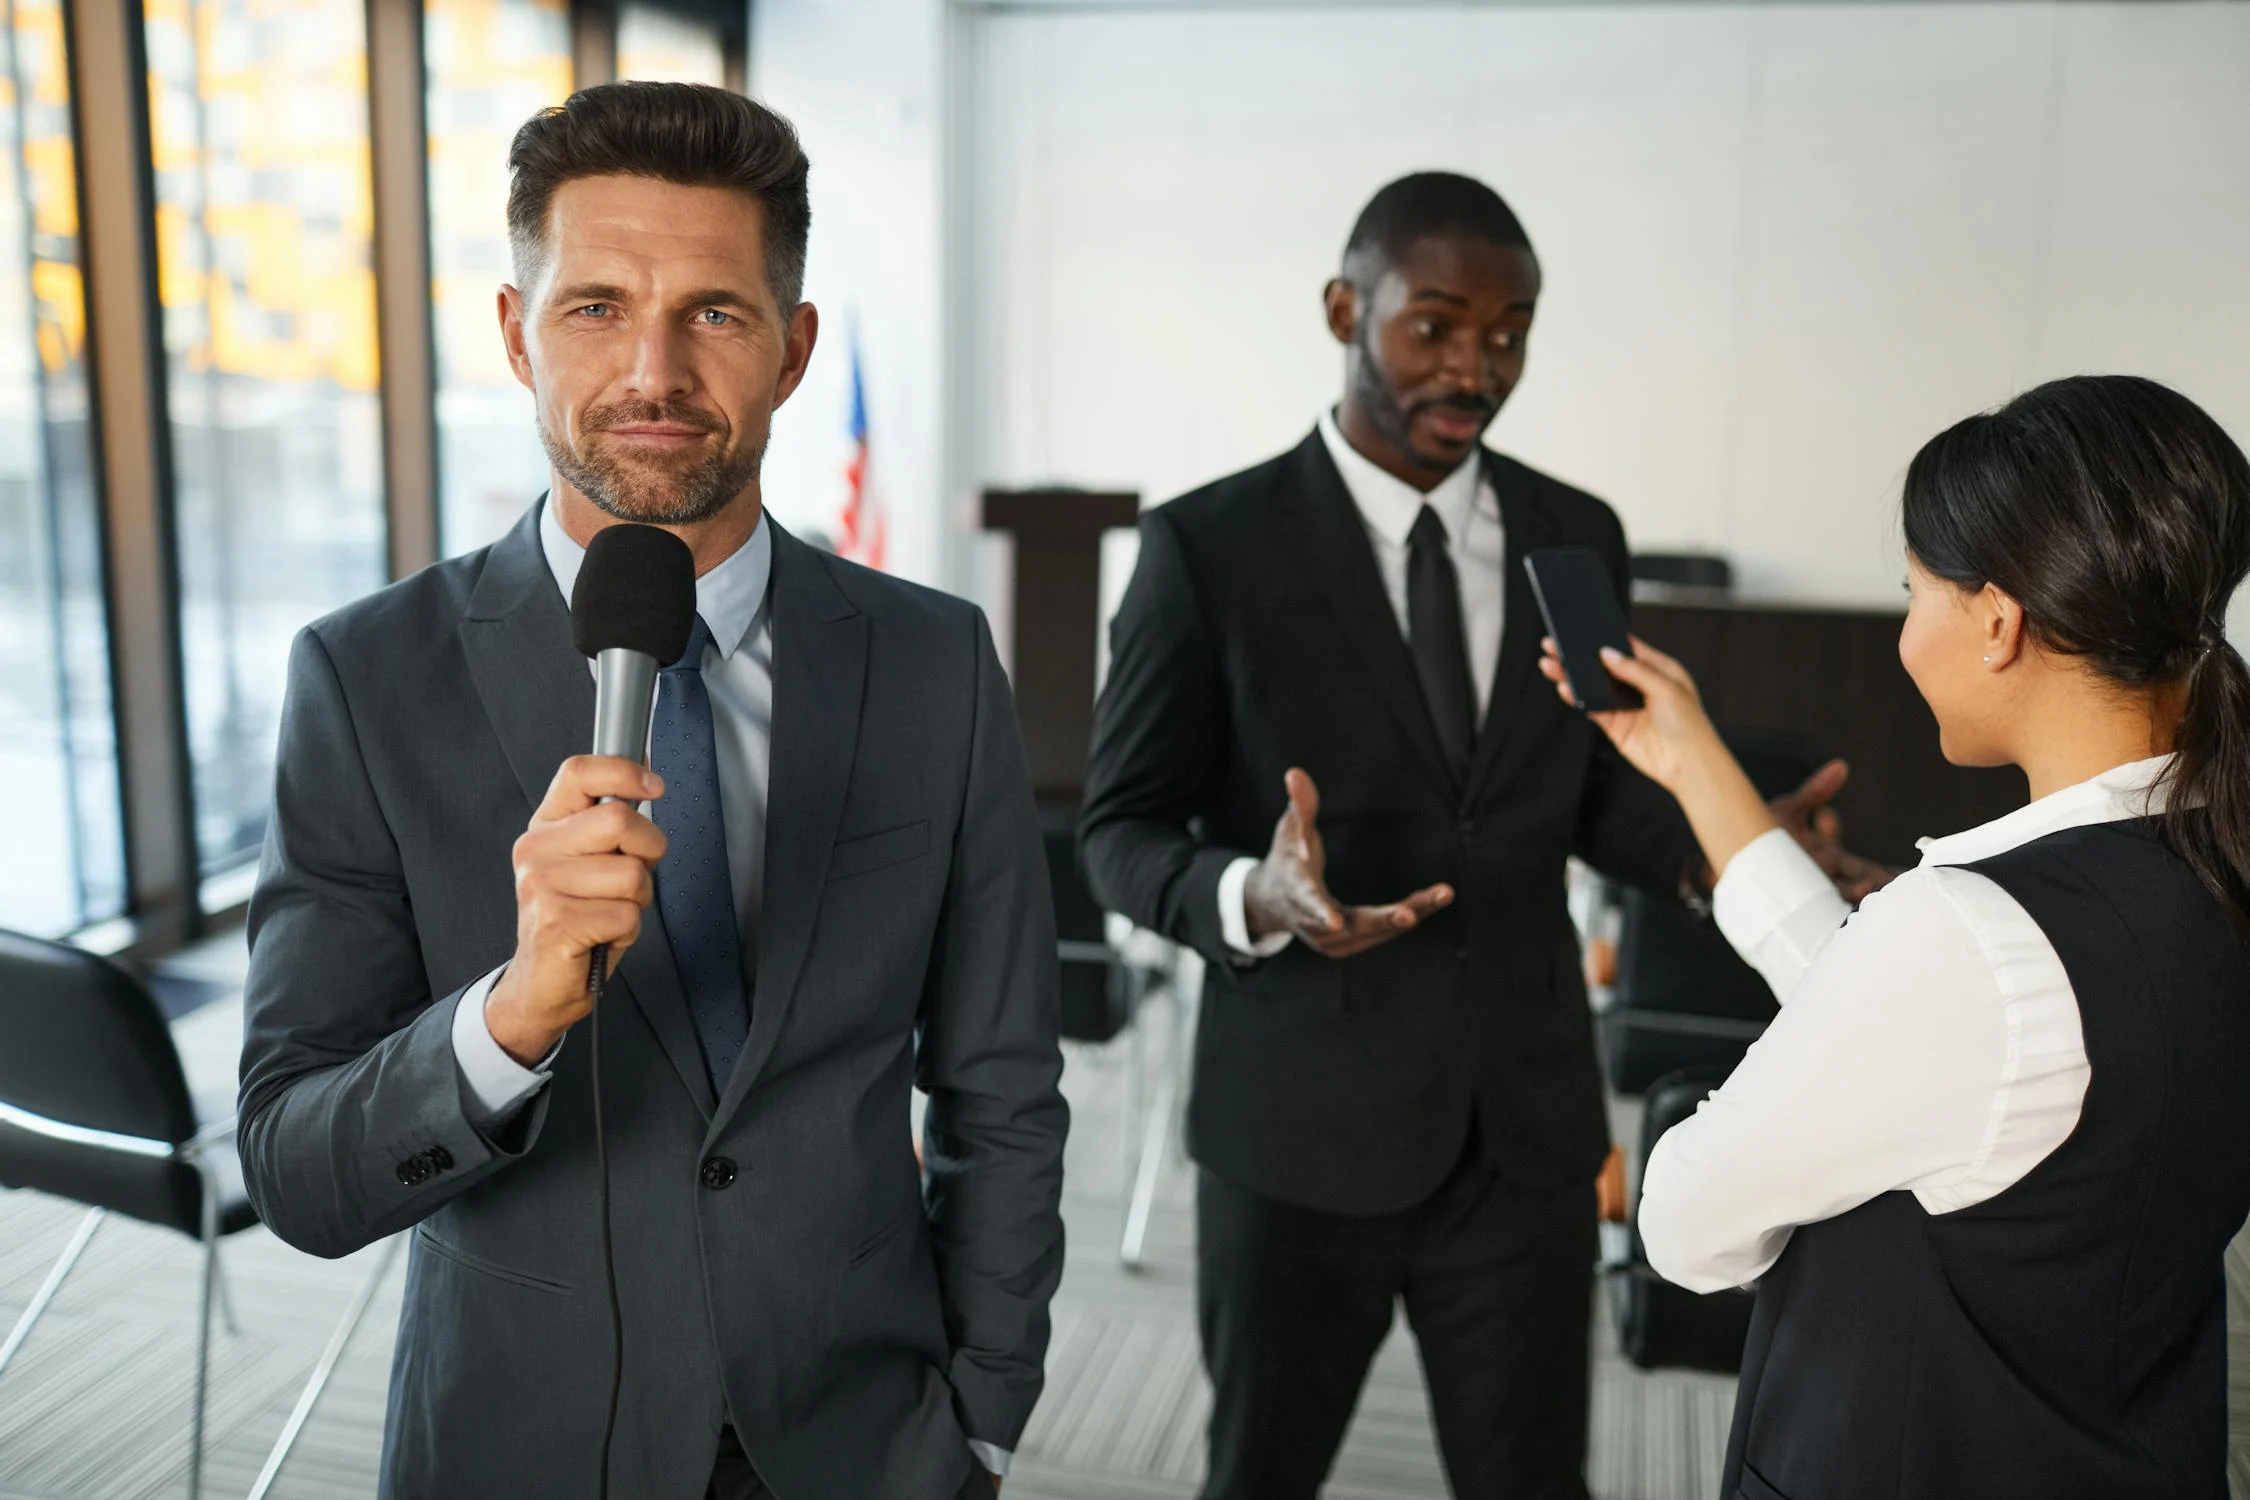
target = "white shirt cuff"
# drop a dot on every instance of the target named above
(493, 1084)
(1763, 885)
(1234, 921)
(995, 1460)
(1777, 908)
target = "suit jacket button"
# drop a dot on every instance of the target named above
(1461, 954)
(412, 1171)
(718, 1172)
(439, 1158)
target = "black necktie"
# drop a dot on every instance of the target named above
(1441, 653)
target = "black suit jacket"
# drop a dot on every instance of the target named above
(853, 1323)
(1256, 636)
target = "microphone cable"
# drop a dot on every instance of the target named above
(597, 978)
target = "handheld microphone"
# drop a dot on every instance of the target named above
(631, 610)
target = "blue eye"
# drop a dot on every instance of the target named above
(719, 319)
(592, 309)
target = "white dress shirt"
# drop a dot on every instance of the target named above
(1388, 508)
(732, 600)
(1929, 1042)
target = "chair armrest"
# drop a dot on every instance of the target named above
(203, 1140)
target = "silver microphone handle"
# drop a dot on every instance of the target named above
(624, 696)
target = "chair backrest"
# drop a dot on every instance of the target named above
(1668, 960)
(1695, 570)
(83, 1042)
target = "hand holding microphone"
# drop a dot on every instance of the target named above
(585, 870)
(585, 867)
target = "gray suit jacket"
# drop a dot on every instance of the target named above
(855, 1324)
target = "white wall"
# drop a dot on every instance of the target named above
(863, 82)
(1783, 244)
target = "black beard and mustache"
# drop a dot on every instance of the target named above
(1395, 419)
(641, 489)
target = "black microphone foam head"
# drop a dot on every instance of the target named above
(636, 591)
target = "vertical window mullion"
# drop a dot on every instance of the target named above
(395, 93)
(132, 458)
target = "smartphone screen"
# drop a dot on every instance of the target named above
(1582, 613)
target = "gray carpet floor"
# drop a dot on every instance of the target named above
(96, 1406)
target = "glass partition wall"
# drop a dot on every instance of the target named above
(491, 65)
(163, 586)
(258, 129)
(58, 749)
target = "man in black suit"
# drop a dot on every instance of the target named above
(837, 893)
(1396, 1095)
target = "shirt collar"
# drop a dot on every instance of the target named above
(2134, 790)
(1388, 503)
(728, 597)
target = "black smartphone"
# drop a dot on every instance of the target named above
(1580, 606)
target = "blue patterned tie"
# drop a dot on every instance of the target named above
(693, 890)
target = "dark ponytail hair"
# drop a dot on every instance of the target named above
(2117, 513)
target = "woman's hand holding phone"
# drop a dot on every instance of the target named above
(1670, 740)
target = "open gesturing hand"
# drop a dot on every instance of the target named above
(1288, 891)
(1814, 825)
(1671, 740)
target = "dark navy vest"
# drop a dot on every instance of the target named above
(2065, 1340)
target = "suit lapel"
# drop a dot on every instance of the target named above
(1323, 527)
(539, 696)
(1526, 527)
(819, 672)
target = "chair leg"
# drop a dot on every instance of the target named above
(226, 1293)
(327, 1367)
(210, 1237)
(52, 1284)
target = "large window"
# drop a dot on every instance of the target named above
(58, 754)
(492, 65)
(258, 131)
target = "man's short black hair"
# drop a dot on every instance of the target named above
(688, 133)
(1418, 207)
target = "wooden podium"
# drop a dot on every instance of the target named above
(1057, 604)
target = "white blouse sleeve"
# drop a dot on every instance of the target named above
(1894, 1064)
(1777, 909)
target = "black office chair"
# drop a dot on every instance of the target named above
(1700, 571)
(1659, 1325)
(1681, 997)
(94, 1107)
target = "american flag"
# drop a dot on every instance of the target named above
(859, 534)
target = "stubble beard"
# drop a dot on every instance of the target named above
(651, 489)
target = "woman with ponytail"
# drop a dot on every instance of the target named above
(1984, 1165)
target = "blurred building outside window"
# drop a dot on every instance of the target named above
(264, 216)
(491, 64)
(58, 736)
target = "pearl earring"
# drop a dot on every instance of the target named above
(1988, 661)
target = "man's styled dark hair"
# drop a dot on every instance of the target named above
(1418, 207)
(688, 133)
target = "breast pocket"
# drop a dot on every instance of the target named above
(877, 851)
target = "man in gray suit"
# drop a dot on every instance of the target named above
(836, 893)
